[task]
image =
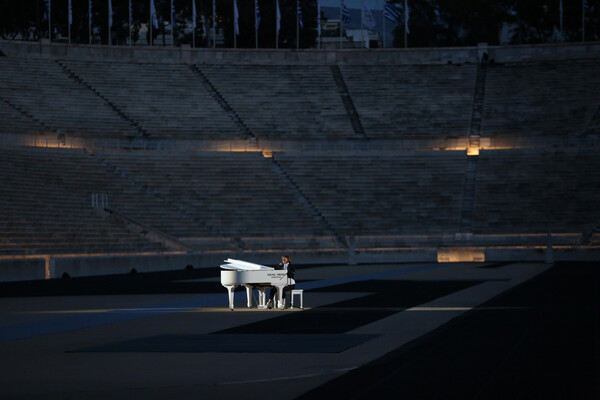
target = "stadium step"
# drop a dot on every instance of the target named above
(141, 185)
(477, 114)
(341, 240)
(71, 74)
(347, 100)
(468, 202)
(210, 88)
(21, 111)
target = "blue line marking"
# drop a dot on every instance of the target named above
(64, 324)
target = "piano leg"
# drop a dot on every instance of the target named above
(230, 290)
(262, 297)
(249, 295)
(279, 297)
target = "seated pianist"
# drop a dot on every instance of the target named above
(286, 264)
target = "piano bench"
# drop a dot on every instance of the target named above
(297, 292)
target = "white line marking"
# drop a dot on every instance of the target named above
(283, 378)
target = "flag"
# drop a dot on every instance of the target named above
(70, 13)
(586, 6)
(47, 7)
(345, 14)
(560, 5)
(172, 14)
(194, 14)
(90, 20)
(236, 17)
(278, 17)
(300, 15)
(110, 14)
(153, 14)
(367, 16)
(406, 17)
(257, 20)
(319, 17)
(391, 12)
(214, 22)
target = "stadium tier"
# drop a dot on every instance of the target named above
(415, 193)
(235, 194)
(41, 90)
(336, 156)
(522, 191)
(46, 205)
(557, 98)
(166, 101)
(294, 102)
(412, 101)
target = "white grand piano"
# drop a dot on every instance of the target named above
(236, 272)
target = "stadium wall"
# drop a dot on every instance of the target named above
(396, 56)
(22, 269)
(51, 267)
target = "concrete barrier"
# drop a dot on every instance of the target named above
(23, 269)
(35, 268)
(395, 56)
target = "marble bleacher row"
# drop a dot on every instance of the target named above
(14, 121)
(412, 101)
(166, 100)
(283, 102)
(45, 206)
(43, 90)
(45, 197)
(541, 98)
(236, 194)
(523, 191)
(546, 98)
(411, 193)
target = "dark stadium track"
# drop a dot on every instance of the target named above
(133, 283)
(540, 340)
(381, 299)
(166, 282)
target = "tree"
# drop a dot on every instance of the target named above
(453, 22)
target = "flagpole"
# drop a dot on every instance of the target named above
(234, 32)
(90, 20)
(383, 16)
(151, 21)
(172, 23)
(130, 20)
(362, 31)
(561, 19)
(214, 24)
(193, 23)
(583, 4)
(109, 20)
(256, 23)
(50, 20)
(70, 19)
(341, 22)
(277, 22)
(405, 24)
(235, 23)
(319, 21)
(297, 24)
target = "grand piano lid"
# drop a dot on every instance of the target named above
(239, 265)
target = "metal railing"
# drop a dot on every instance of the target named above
(99, 200)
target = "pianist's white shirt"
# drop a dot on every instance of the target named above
(292, 281)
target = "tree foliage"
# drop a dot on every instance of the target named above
(466, 23)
